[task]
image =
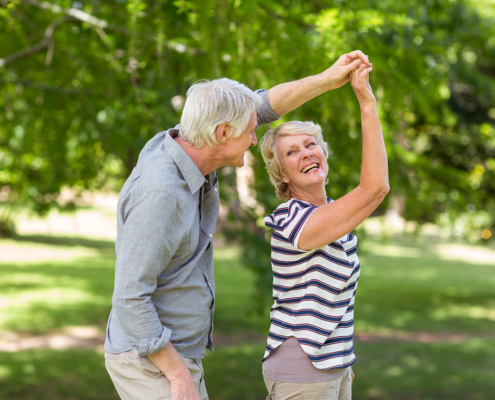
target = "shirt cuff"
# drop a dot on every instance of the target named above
(264, 111)
(153, 345)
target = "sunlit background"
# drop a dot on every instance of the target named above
(85, 84)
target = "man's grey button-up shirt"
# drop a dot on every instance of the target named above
(164, 279)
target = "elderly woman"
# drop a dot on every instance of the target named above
(315, 266)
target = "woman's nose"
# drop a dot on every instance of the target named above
(307, 153)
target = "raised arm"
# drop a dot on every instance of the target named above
(288, 96)
(332, 221)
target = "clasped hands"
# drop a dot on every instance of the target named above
(355, 67)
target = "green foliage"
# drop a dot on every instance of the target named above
(86, 95)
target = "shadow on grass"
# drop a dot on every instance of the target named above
(50, 295)
(414, 371)
(97, 244)
(55, 375)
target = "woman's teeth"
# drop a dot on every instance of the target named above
(309, 168)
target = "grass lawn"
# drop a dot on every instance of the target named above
(408, 289)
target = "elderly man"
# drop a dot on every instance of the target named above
(162, 317)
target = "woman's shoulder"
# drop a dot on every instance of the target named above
(286, 211)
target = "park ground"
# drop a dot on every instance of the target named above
(425, 315)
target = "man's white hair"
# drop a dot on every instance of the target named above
(212, 103)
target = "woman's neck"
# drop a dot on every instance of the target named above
(317, 197)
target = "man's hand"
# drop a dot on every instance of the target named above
(339, 73)
(171, 363)
(184, 388)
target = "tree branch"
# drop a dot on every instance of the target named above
(47, 88)
(278, 16)
(47, 38)
(103, 24)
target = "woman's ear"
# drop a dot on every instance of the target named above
(222, 133)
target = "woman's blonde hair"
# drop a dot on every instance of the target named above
(268, 151)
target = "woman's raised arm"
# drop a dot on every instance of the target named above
(332, 221)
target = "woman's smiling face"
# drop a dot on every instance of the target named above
(303, 162)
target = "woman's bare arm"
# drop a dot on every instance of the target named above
(332, 221)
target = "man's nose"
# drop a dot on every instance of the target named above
(254, 140)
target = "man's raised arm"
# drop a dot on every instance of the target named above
(288, 96)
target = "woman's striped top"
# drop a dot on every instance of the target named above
(313, 291)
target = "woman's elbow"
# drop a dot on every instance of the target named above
(382, 191)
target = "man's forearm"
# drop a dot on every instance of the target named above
(170, 362)
(288, 96)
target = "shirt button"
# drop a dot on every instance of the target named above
(209, 285)
(211, 235)
(216, 190)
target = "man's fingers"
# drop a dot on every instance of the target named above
(353, 65)
(358, 54)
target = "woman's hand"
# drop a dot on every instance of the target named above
(361, 85)
(339, 73)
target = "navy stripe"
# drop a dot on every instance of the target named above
(350, 287)
(281, 250)
(350, 236)
(310, 297)
(342, 366)
(313, 313)
(312, 343)
(280, 211)
(305, 285)
(316, 253)
(346, 324)
(351, 251)
(328, 356)
(301, 327)
(278, 338)
(278, 236)
(356, 269)
(302, 220)
(336, 245)
(338, 339)
(279, 226)
(313, 268)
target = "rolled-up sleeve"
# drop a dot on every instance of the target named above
(264, 111)
(146, 248)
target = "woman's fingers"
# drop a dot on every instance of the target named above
(357, 74)
(364, 75)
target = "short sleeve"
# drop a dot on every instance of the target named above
(264, 111)
(288, 221)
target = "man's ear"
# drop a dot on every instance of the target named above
(222, 132)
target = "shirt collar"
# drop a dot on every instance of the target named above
(187, 167)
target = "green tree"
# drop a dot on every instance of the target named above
(86, 84)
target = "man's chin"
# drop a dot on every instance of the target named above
(241, 162)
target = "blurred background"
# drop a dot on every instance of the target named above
(85, 84)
